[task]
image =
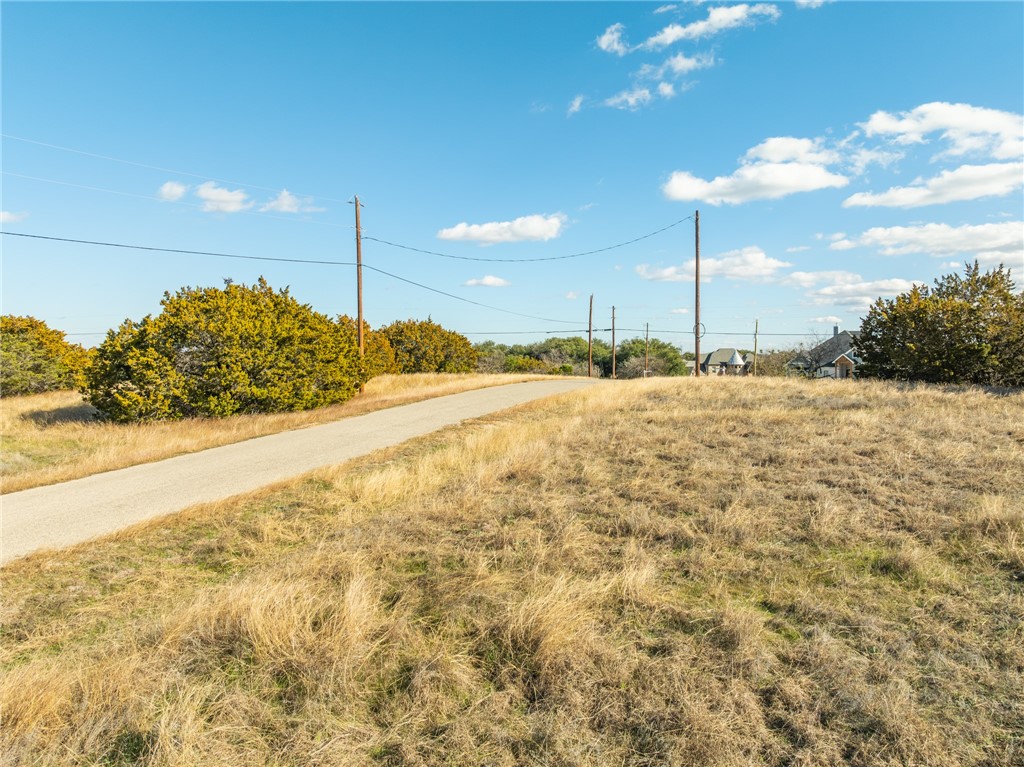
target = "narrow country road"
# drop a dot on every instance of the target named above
(76, 511)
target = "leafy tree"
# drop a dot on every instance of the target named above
(665, 359)
(423, 346)
(218, 352)
(35, 358)
(379, 357)
(968, 329)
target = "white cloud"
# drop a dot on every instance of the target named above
(219, 200)
(759, 181)
(789, 149)
(989, 243)
(831, 319)
(665, 8)
(611, 40)
(861, 158)
(676, 66)
(7, 217)
(572, 295)
(967, 128)
(719, 19)
(172, 191)
(679, 311)
(968, 182)
(810, 279)
(749, 263)
(810, 3)
(837, 236)
(536, 227)
(798, 248)
(574, 106)
(842, 244)
(859, 295)
(631, 100)
(285, 202)
(666, 90)
(488, 281)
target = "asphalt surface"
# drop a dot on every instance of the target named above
(73, 512)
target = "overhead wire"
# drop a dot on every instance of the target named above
(285, 260)
(527, 260)
(157, 167)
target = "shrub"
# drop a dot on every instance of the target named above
(219, 352)
(966, 329)
(34, 358)
(423, 346)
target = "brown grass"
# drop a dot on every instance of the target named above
(48, 438)
(669, 572)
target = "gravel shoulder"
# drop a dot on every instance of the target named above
(72, 512)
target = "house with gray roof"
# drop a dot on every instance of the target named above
(725, 362)
(833, 358)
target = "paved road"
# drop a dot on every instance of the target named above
(72, 512)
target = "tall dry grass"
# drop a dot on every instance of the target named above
(48, 438)
(650, 573)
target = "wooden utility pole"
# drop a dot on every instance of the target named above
(755, 347)
(647, 350)
(613, 342)
(590, 340)
(359, 283)
(696, 312)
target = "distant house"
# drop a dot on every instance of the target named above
(723, 362)
(833, 358)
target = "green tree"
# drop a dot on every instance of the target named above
(35, 358)
(665, 359)
(218, 352)
(423, 346)
(379, 357)
(967, 329)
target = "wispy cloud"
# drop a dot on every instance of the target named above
(488, 281)
(575, 106)
(750, 263)
(524, 228)
(629, 99)
(989, 243)
(665, 8)
(968, 182)
(172, 191)
(7, 217)
(719, 19)
(572, 295)
(798, 248)
(286, 202)
(611, 40)
(217, 199)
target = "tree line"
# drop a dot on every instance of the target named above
(251, 349)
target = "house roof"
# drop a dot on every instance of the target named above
(735, 360)
(719, 357)
(835, 347)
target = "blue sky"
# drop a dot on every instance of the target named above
(836, 151)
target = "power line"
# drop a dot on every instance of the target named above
(198, 206)
(157, 167)
(528, 260)
(284, 260)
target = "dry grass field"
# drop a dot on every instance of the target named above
(660, 572)
(55, 437)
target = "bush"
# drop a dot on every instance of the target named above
(34, 358)
(423, 346)
(379, 357)
(967, 329)
(220, 352)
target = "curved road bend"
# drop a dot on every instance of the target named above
(76, 511)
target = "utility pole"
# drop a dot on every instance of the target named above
(696, 313)
(647, 350)
(613, 342)
(590, 340)
(359, 282)
(755, 347)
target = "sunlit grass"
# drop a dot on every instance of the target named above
(55, 437)
(714, 572)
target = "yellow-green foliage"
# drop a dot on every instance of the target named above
(219, 352)
(36, 358)
(423, 346)
(379, 357)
